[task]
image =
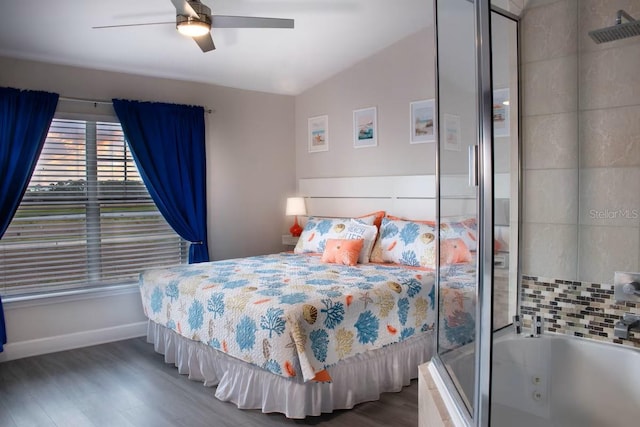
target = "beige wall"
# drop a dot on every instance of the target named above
(250, 171)
(250, 143)
(256, 150)
(389, 80)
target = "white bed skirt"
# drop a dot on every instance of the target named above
(360, 378)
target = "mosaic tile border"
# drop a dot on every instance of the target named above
(583, 309)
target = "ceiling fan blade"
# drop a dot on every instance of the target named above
(133, 25)
(205, 42)
(183, 8)
(222, 21)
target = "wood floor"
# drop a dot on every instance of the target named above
(127, 384)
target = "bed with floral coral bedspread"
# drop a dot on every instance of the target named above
(288, 333)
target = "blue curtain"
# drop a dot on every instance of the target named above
(25, 117)
(168, 145)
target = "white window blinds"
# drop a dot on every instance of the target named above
(86, 218)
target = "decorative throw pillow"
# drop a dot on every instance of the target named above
(418, 221)
(342, 251)
(501, 238)
(463, 228)
(358, 230)
(377, 218)
(414, 244)
(317, 230)
(454, 251)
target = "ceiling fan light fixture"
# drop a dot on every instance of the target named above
(191, 27)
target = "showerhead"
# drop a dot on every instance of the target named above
(618, 31)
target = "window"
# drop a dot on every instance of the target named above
(86, 218)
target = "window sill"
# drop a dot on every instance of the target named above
(58, 297)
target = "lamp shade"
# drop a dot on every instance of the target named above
(295, 206)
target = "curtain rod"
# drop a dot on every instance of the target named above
(104, 102)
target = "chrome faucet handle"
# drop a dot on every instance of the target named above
(631, 319)
(517, 324)
(536, 325)
(631, 288)
(620, 330)
(629, 322)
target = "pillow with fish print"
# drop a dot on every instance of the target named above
(462, 228)
(414, 244)
(317, 230)
(465, 228)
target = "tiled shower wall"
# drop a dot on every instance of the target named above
(581, 139)
(549, 68)
(609, 145)
(581, 149)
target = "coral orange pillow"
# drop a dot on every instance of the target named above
(417, 221)
(454, 251)
(342, 251)
(377, 217)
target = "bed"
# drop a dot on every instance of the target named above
(294, 319)
(295, 334)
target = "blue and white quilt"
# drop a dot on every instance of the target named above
(291, 314)
(457, 305)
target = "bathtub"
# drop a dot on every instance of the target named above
(563, 381)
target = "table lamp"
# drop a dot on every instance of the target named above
(295, 207)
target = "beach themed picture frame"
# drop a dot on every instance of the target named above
(318, 133)
(365, 127)
(451, 132)
(423, 123)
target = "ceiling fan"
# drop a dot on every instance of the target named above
(193, 19)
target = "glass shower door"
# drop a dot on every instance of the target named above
(506, 148)
(478, 184)
(457, 196)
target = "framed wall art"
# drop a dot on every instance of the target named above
(318, 133)
(451, 132)
(365, 127)
(423, 123)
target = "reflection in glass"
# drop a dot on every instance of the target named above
(506, 149)
(504, 43)
(457, 273)
(458, 214)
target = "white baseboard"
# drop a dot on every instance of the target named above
(19, 350)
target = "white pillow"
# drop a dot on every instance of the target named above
(358, 230)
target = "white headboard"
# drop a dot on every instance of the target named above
(408, 196)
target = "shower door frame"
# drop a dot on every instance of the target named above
(486, 223)
(484, 204)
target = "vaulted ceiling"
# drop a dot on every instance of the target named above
(329, 36)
